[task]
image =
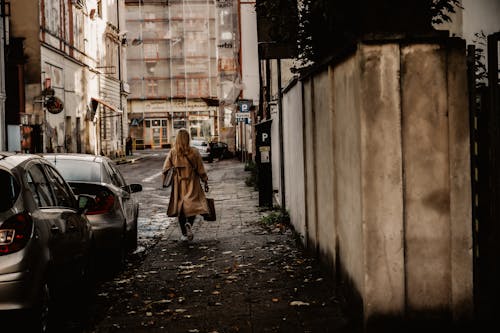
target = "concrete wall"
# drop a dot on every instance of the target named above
(294, 157)
(386, 177)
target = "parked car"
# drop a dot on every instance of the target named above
(204, 149)
(45, 239)
(114, 217)
(220, 150)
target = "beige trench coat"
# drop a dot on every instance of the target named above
(187, 193)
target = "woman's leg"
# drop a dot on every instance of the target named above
(182, 223)
(187, 225)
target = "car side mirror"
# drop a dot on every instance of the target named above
(85, 202)
(135, 188)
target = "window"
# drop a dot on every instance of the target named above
(114, 174)
(99, 8)
(152, 88)
(40, 186)
(178, 124)
(63, 195)
(76, 170)
(78, 30)
(10, 190)
(52, 17)
(151, 50)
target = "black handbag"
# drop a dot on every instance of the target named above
(211, 216)
(169, 177)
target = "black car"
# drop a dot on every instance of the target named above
(220, 150)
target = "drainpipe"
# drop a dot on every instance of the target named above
(280, 125)
(3, 93)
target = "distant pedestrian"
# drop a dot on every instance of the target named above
(187, 198)
(128, 146)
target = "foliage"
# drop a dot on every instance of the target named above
(481, 42)
(324, 26)
(277, 217)
(441, 10)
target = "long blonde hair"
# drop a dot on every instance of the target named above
(182, 142)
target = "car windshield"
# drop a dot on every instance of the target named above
(199, 143)
(10, 190)
(78, 170)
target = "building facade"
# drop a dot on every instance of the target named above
(172, 70)
(66, 77)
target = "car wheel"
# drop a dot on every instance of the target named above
(39, 316)
(90, 272)
(120, 254)
(132, 242)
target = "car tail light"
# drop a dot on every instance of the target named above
(104, 203)
(15, 233)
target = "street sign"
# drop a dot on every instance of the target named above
(242, 116)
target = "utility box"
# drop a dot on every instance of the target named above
(263, 160)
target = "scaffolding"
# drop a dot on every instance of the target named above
(172, 66)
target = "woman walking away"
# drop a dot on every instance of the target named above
(187, 198)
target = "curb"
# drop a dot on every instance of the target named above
(127, 160)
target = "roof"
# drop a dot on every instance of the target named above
(75, 156)
(13, 159)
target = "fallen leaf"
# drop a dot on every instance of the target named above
(275, 300)
(299, 303)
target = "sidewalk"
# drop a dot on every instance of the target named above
(236, 276)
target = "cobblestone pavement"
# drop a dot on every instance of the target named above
(237, 275)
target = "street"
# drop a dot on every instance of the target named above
(237, 275)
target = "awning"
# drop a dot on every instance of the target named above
(96, 101)
(211, 101)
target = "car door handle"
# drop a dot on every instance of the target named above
(55, 229)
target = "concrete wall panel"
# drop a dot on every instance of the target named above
(460, 191)
(382, 191)
(310, 164)
(293, 139)
(426, 169)
(324, 166)
(347, 173)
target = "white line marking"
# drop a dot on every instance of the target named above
(152, 177)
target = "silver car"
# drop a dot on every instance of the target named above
(114, 217)
(45, 238)
(203, 147)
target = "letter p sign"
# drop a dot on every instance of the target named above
(264, 137)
